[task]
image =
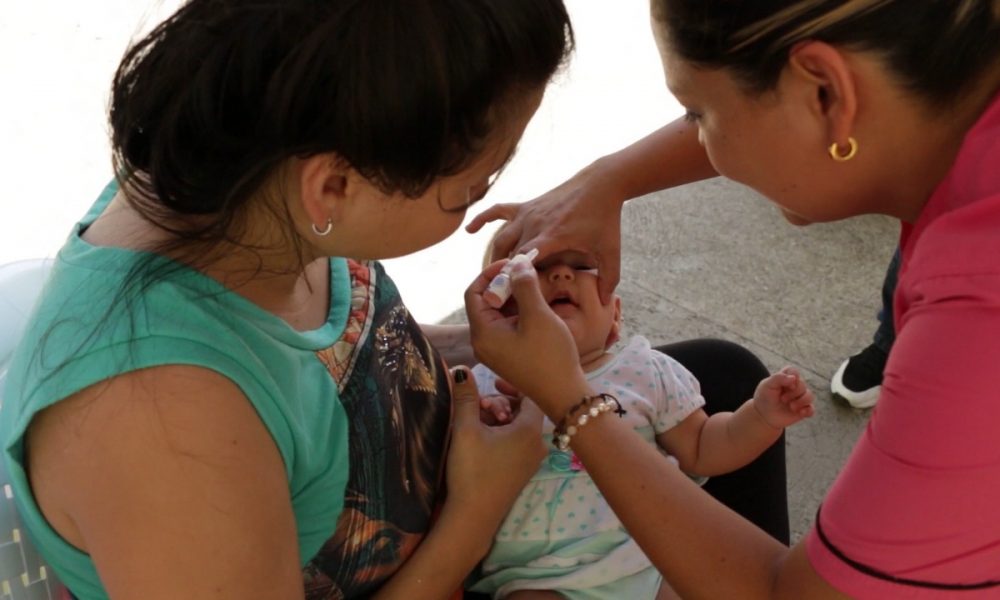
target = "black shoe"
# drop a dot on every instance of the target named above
(859, 379)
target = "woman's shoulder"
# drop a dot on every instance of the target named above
(94, 324)
(963, 242)
(151, 437)
(165, 394)
(959, 230)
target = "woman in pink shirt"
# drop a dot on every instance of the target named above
(830, 108)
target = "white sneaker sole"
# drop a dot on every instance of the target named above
(865, 399)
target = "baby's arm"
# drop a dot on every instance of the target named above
(717, 444)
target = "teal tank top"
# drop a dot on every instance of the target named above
(359, 408)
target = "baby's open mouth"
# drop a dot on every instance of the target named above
(562, 298)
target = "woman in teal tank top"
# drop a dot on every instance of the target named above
(221, 393)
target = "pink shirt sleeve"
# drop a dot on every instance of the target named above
(919, 498)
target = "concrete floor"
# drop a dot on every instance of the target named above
(717, 260)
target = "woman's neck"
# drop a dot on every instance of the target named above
(270, 268)
(262, 265)
(938, 135)
(914, 143)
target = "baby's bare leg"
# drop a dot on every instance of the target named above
(534, 595)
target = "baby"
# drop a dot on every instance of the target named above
(561, 539)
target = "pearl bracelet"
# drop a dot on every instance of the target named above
(595, 406)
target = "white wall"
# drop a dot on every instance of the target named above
(56, 62)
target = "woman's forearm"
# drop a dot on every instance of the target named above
(452, 548)
(668, 157)
(704, 549)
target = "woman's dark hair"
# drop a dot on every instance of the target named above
(206, 107)
(936, 48)
(209, 106)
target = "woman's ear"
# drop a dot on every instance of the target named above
(324, 188)
(827, 78)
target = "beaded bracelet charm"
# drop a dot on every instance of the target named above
(595, 407)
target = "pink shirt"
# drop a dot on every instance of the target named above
(919, 498)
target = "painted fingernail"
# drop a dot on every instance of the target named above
(460, 375)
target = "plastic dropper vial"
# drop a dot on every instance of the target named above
(500, 289)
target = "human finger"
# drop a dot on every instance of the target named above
(498, 407)
(480, 283)
(793, 395)
(507, 389)
(789, 370)
(791, 382)
(527, 292)
(497, 212)
(465, 396)
(506, 239)
(797, 403)
(486, 417)
(535, 341)
(608, 273)
(773, 383)
(799, 388)
(476, 307)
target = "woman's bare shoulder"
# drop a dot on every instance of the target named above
(175, 454)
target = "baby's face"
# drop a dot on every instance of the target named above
(569, 285)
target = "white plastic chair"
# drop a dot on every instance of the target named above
(23, 573)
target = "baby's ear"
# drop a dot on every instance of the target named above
(616, 323)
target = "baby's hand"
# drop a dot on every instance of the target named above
(496, 410)
(783, 399)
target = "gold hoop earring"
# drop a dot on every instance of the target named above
(852, 150)
(323, 232)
